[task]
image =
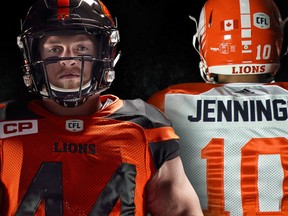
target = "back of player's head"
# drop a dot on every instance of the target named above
(239, 37)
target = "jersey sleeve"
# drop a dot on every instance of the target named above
(161, 138)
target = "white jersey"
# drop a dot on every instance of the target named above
(234, 146)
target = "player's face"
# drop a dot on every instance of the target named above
(66, 74)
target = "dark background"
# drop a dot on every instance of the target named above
(156, 45)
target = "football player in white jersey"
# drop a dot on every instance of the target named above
(234, 127)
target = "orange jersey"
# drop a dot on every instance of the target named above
(234, 144)
(81, 165)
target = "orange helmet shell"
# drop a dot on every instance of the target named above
(240, 37)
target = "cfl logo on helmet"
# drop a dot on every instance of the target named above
(261, 20)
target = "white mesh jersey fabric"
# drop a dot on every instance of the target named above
(249, 123)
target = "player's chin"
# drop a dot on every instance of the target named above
(70, 83)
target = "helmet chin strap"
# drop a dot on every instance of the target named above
(202, 64)
(285, 21)
(195, 36)
(116, 59)
(66, 102)
(53, 87)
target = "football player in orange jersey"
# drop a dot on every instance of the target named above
(233, 128)
(73, 152)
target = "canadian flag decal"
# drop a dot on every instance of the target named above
(228, 25)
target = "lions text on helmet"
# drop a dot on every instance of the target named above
(246, 42)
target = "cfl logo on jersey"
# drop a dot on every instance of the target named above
(17, 128)
(74, 125)
(261, 20)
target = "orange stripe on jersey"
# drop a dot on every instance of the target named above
(160, 134)
(11, 176)
(63, 8)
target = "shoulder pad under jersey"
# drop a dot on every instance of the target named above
(142, 113)
(12, 110)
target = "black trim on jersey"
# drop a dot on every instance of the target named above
(148, 117)
(141, 113)
(12, 110)
(162, 153)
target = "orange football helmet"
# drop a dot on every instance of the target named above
(239, 37)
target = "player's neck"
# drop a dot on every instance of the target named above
(256, 78)
(89, 107)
